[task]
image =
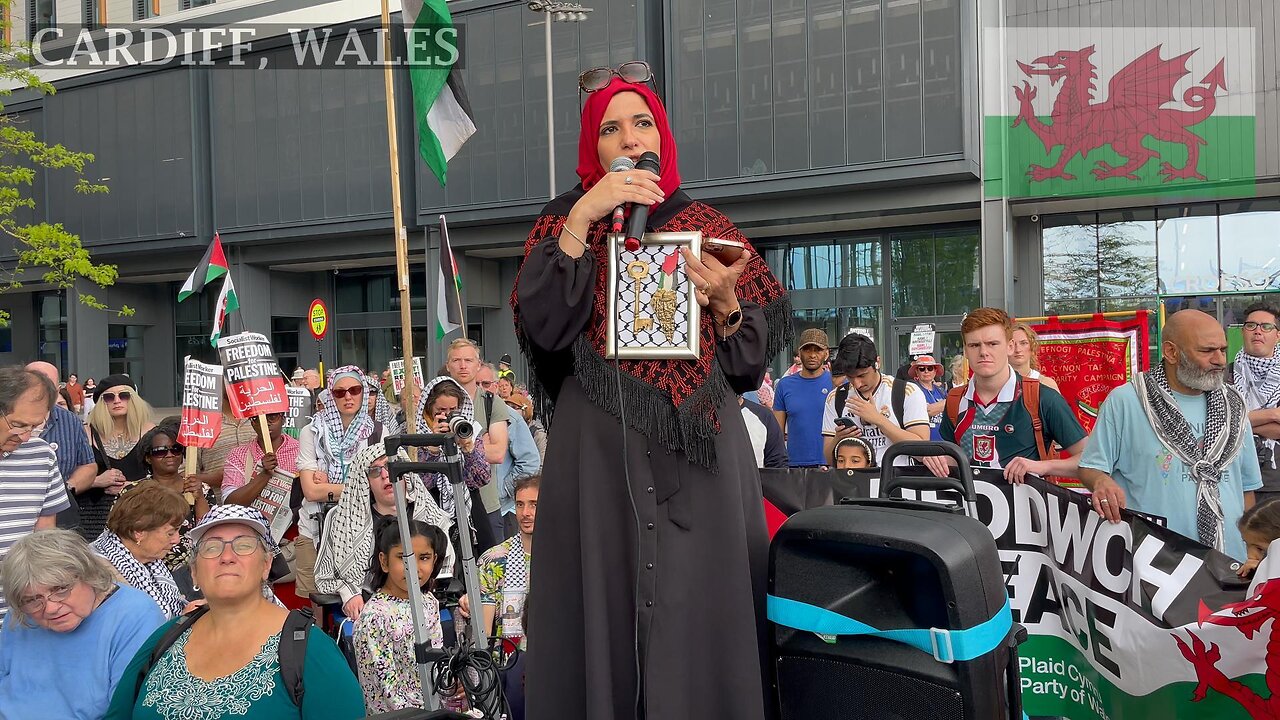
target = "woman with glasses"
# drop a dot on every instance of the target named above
(340, 429)
(342, 564)
(117, 422)
(71, 630)
(227, 662)
(163, 455)
(649, 462)
(143, 527)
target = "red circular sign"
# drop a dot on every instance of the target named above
(318, 319)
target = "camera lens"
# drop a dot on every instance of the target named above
(460, 427)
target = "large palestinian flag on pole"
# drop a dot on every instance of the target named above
(440, 108)
(1117, 111)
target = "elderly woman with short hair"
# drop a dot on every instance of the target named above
(141, 530)
(65, 604)
(226, 660)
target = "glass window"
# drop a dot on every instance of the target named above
(864, 94)
(1249, 235)
(40, 14)
(1187, 239)
(1070, 256)
(903, 114)
(912, 275)
(935, 272)
(284, 334)
(833, 265)
(1126, 253)
(125, 353)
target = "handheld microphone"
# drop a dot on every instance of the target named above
(621, 164)
(640, 213)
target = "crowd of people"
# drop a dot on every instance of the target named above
(169, 591)
(173, 589)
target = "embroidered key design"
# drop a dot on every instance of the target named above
(638, 270)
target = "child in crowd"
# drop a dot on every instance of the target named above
(1260, 528)
(853, 453)
(383, 633)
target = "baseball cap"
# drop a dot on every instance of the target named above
(226, 514)
(814, 336)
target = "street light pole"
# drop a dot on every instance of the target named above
(561, 12)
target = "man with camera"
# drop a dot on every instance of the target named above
(1256, 374)
(491, 417)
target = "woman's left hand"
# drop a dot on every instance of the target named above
(715, 283)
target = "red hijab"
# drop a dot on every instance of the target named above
(589, 168)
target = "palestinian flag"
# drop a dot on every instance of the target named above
(440, 105)
(212, 266)
(227, 304)
(448, 288)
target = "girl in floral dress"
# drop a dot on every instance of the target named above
(383, 633)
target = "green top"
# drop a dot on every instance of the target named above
(255, 692)
(993, 434)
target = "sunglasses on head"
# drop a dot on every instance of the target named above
(634, 72)
(162, 450)
(111, 397)
(353, 392)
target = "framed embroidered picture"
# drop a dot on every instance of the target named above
(653, 308)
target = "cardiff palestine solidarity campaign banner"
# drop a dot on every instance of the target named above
(1091, 358)
(1127, 620)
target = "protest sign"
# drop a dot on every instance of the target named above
(1126, 620)
(397, 374)
(299, 399)
(201, 404)
(921, 340)
(255, 385)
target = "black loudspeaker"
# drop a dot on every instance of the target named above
(892, 564)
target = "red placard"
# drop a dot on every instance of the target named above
(201, 404)
(255, 385)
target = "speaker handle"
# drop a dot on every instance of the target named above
(891, 478)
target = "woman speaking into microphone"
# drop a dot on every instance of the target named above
(650, 564)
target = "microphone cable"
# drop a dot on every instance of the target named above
(635, 514)
(478, 675)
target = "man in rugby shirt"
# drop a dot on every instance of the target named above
(32, 492)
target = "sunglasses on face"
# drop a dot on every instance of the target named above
(353, 392)
(162, 450)
(634, 72)
(111, 397)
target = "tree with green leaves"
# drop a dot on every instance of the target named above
(44, 252)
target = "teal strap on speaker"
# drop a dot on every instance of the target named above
(946, 646)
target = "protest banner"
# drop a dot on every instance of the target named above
(397, 374)
(1088, 359)
(1126, 620)
(255, 385)
(201, 411)
(299, 399)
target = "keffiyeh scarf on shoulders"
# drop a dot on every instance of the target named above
(471, 476)
(335, 444)
(153, 578)
(1205, 460)
(345, 553)
(382, 411)
(1258, 380)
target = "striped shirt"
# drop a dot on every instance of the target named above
(65, 433)
(31, 487)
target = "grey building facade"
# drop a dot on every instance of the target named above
(845, 137)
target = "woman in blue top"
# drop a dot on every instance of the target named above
(227, 663)
(927, 372)
(64, 604)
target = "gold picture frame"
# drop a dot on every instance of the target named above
(653, 315)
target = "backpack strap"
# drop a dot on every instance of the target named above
(292, 652)
(898, 398)
(488, 410)
(1031, 401)
(166, 641)
(954, 396)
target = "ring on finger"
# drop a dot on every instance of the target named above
(1103, 500)
(627, 180)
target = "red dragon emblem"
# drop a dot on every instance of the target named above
(1134, 109)
(1248, 616)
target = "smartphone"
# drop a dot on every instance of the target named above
(726, 251)
(844, 422)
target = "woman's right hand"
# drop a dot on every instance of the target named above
(612, 190)
(108, 478)
(352, 607)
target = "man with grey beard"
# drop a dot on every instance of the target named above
(1176, 441)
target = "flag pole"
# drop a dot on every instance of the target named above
(407, 400)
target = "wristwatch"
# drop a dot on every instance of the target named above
(732, 318)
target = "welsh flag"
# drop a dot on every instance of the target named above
(212, 266)
(448, 288)
(440, 104)
(227, 304)
(1088, 111)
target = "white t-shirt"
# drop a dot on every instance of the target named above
(915, 412)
